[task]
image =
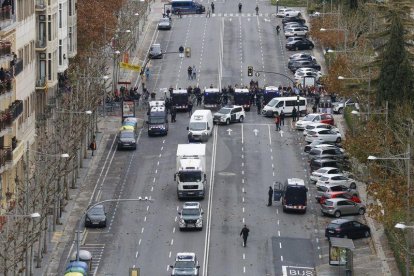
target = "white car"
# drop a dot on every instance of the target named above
(308, 69)
(327, 135)
(323, 171)
(336, 179)
(312, 118)
(317, 126)
(287, 12)
(229, 114)
(296, 31)
(301, 74)
(338, 107)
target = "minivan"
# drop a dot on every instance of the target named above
(155, 51)
(276, 105)
(200, 126)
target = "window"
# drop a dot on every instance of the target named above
(70, 7)
(49, 67)
(49, 28)
(60, 15)
(60, 52)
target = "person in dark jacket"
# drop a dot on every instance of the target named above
(173, 113)
(282, 118)
(294, 114)
(190, 108)
(270, 192)
(244, 233)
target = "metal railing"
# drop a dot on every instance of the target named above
(6, 12)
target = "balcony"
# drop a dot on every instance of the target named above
(7, 16)
(17, 65)
(40, 5)
(6, 157)
(8, 116)
(41, 44)
(41, 83)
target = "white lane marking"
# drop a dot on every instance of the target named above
(278, 233)
(277, 211)
(242, 172)
(242, 134)
(162, 147)
(136, 254)
(273, 166)
(244, 256)
(242, 199)
(317, 239)
(271, 157)
(172, 241)
(242, 189)
(145, 218)
(280, 245)
(242, 180)
(281, 258)
(147, 208)
(242, 156)
(243, 209)
(244, 269)
(168, 267)
(173, 230)
(270, 136)
(273, 173)
(156, 171)
(142, 230)
(159, 155)
(242, 164)
(152, 188)
(153, 180)
(139, 242)
(278, 222)
(271, 150)
(169, 255)
(158, 163)
(175, 219)
(243, 221)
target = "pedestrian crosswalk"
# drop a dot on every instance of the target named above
(229, 15)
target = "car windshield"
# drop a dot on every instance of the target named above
(329, 203)
(184, 264)
(190, 212)
(164, 20)
(127, 134)
(96, 211)
(333, 225)
(198, 126)
(156, 120)
(322, 171)
(273, 102)
(190, 176)
(309, 117)
(315, 152)
(225, 111)
(324, 178)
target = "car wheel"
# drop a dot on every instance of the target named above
(297, 48)
(241, 119)
(341, 110)
(227, 121)
(337, 214)
(338, 140)
(367, 234)
(310, 47)
(361, 211)
(352, 186)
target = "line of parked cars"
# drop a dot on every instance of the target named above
(335, 187)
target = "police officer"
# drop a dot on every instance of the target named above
(270, 193)
(258, 103)
(190, 108)
(244, 233)
(212, 7)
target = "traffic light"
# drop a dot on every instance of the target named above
(187, 51)
(181, 49)
(250, 71)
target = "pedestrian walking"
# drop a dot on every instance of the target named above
(282, 118)
(179, 14)
(277, 122)
(257, 10)
(294, 113)
(190, 108)
(194, 72)
(173, 113)
(270, 193)
(259, 105)
(314, 108)
(147, 73)
(190, 72)
(92, 146)
(208, 12)
(244, 233)
(212, 7)
(199, 99)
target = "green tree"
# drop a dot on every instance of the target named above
(394, 83)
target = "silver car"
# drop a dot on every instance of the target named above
(338, 207)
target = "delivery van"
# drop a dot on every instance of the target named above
(277, 104)
(200, 126)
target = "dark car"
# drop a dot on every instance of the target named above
(301, 56)
(298, 19)
(343, 228)
(96, 217)
(295, 65)
(294, 38)
(127, 140)
(303, 44)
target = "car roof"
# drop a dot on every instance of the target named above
(337, 199)
(191, 205)
(327, 168)
(185, 256)
(333, 175)
(340, 221)
(338, 192)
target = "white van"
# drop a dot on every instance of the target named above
(201, 126)
(286, 104)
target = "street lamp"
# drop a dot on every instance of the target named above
(357, 113)
(401, 225)
(406, 157)
(369, 87)
(277, 7)
(98, 203)
(342, 30)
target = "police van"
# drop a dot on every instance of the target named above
(157, 122)
(200, 126)
(294, 195)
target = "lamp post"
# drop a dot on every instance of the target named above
(406, 157)
(277, 7)
(342, 30)
(369, 87)
(98, 203)
(354, 112)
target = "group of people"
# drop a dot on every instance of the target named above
(192, 72)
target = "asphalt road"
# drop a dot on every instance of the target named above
(243, 161)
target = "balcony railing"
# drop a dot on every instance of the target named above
(6, 155)
(17, 65)
(5, 48)
(8, 116)
(40, 4)
(41, 43)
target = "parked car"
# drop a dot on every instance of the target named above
(338, 107)
(304, 58)
(155, 51)
(318, 125)
(164, 23)
(314, 118)
(343, 228)
(316, 164)
(294, 24)
(287, 12)
(343, 194)
(298, 19)
(327, 152)
(303, 44)
(96, 217)
(229, 114)
(336, 179)
(338, 207)
(301, 55)
(317, 143)
(294, 38)
(314, 177)
(296, 31)
(304, 63)
(327, 188)
(326, 135)
(300, 75)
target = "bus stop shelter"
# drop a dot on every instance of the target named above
(341, 255)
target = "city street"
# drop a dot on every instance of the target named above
(243, 160)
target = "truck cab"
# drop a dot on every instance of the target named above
(190, 175)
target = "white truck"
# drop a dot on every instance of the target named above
(191, 170)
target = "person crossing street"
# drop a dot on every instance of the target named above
(244, 233)
(270, 193)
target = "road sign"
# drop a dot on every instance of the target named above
(257, 74)
(298, 271)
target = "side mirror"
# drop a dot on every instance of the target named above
(179, 213)
(208, 128)
(171, 266)
(188, 128)
(198, 266)
(202, 212)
